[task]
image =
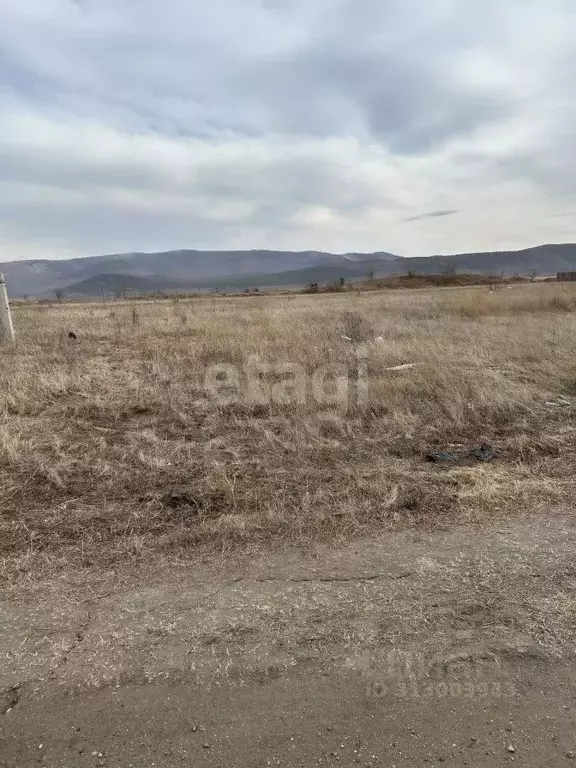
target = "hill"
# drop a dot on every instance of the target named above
(181, 270)
(188, 270)
(94, 287)
(545, 259)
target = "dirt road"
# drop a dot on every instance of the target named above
(453, 647)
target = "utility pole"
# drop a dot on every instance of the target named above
(6, 327)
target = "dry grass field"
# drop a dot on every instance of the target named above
(112, 449)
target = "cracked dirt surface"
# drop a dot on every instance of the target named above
(452, 646)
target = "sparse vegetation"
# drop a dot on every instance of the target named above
(447, 278)
(111, 449)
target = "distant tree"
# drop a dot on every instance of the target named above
(533, 274)
(410, 273)
(371, 275)
(342, 281)
(59, 295)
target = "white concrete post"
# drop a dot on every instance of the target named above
(6, 327)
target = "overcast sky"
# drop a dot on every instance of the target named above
(411, 126)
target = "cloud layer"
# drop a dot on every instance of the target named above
(399, 125)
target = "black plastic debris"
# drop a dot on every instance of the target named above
(484, 452)
(443, 457)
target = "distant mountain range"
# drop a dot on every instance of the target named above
(190, 270)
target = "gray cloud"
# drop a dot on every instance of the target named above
(431, 215)
(317, 124)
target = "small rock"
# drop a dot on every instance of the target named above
(570, 755)
(206, 745)
(511, 748)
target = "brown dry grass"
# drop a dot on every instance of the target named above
(111, 450)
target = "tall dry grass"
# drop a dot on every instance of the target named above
(111, 449)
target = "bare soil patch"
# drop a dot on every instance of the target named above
(452, 647)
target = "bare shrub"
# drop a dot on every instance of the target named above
(357, 327)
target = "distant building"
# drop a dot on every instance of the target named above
(566, 277)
